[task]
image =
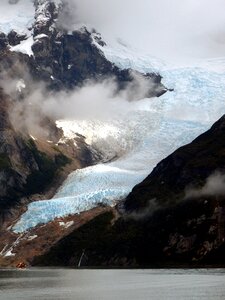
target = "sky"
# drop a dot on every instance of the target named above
(169, 29)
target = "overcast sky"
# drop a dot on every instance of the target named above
(170, 29)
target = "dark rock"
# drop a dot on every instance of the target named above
(62, 61)
(188, 166)
(3, 41)
(14, 38)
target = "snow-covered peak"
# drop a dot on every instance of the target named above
(125, 56)
(21, 15)
(24, 47)
(44, 14)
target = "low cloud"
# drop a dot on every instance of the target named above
(151, 207)
(169, 29)
(214, 186)
(97, 100)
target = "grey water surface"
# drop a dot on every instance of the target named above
(67, 284)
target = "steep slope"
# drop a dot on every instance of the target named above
(27, 165)
(34, 49)
(176, 232)
(61, 58)
(189, 166)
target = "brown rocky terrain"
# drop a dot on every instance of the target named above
(22, 248)
(34, 168)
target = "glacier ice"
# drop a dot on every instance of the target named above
(18, 17)
(149, 131)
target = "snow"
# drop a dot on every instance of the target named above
(42, 13)
(32, 237)
(24, 46)
(9, 253)
(33, 138)
(126, 57)
(18, 16)
(140, 137)
(40, 36)
(66, 225)
(2, 253)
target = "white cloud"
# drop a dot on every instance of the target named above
(214, 186)
(165, 28)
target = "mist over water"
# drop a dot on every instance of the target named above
(67, 284)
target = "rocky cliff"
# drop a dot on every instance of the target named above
(29, 166)
(62, 60)
(185, 169)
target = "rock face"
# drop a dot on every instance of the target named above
(161, 224)
(70, 59)
(64, 60)
(29, 166)
(188, 167)
(61, 60)
(14, 38)
(22, 248)
(3, 41)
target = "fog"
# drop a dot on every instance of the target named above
(169, 29)
(214, 186)
(95, 100)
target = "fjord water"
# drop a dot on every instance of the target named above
(62, 284)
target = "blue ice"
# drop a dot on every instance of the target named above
(150, 131)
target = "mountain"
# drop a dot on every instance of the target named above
(65, 59)
(188, 167)
(46, 52)
(36, 156)
(85, 129)
(161, 223)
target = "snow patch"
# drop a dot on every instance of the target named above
(33, 138)
(24, 46)
(32, 237)
(9, 253)
(40, 36)
(67, 224)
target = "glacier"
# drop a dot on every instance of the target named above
(18, 17)
(136, 140)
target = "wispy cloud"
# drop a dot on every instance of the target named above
(214, 186)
